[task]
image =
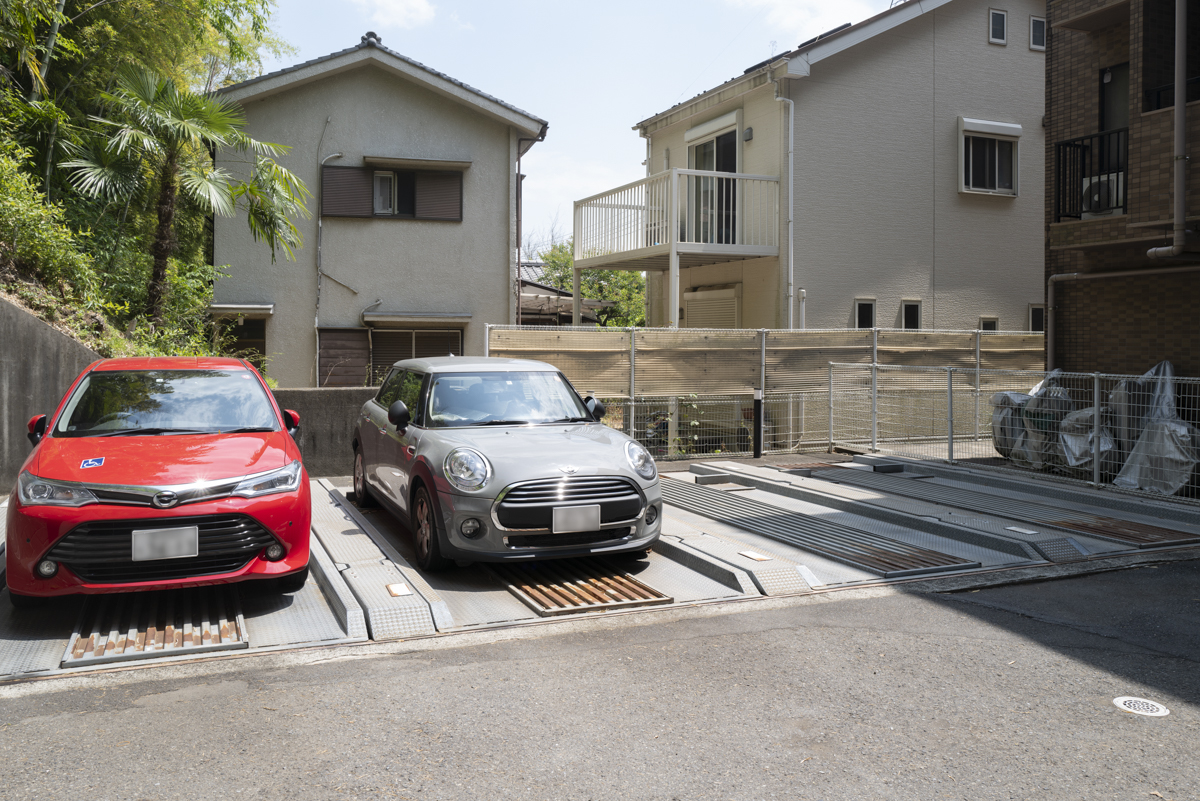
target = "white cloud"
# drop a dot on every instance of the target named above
(398, 13)
(799, 20)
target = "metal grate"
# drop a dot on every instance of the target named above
(1141, 706)
(861, 549)
(101, 551)
(563, 587)
(118, 628)
(531, 505)
(1109, 528)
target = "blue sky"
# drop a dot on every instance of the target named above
(591, 69)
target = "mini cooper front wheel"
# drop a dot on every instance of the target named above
(423, 523)
(362, 493)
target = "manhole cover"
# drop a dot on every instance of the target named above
(1140, 706)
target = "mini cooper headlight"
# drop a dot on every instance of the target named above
(467, 469)
(640, 460)
(286, 479)
(34, 491)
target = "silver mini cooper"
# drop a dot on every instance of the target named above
(500, 459)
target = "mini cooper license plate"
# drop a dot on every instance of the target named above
(166, 543)
(569, 519)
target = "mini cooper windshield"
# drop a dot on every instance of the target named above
(148, 402)
(499, 398)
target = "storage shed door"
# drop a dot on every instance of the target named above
(345, 356)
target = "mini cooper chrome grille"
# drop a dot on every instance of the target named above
(531, 505)
(102, 551)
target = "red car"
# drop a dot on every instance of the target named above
(158, 474)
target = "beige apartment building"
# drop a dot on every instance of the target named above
(885, 174)
(411, 247)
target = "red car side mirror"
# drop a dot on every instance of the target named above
(291, 419)
(37, 428)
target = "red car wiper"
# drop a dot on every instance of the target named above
(129, 432)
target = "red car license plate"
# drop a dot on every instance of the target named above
(166, 543)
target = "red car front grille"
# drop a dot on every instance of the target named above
(101, 552)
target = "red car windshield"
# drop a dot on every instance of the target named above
(146, 402)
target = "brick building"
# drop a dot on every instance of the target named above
(1109, 122)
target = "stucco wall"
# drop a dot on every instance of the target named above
(878, 213)
(37, 365)
(410, 266)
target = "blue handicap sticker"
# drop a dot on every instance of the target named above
(97, 462)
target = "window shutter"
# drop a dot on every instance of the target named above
(347, 192)
(431, 344)
(387, 348)
(345, 355)
(439, 196)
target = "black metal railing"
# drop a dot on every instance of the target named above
(1090, 175)
(1164, 96)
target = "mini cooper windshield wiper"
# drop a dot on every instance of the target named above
(571, 420)
(501, 423)
(146, 432)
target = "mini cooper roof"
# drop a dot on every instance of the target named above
(475, 364)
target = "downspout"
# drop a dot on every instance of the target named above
(1092, 277)
(1180, 234)
(320, 239)
(791, 140)
(541, 137)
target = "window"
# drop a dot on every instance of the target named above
(864, 313)
(911, 314)
(250, 341)
(997, 26)
(988, 165)
(989, 324)
(1037, 318)
(1037, 33)
(398, 194)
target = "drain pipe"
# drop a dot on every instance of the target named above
(1180, 234)
(791, 140)
(1093, 277)
(320, 238)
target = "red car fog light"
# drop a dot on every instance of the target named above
(274, 552)
(46, 569)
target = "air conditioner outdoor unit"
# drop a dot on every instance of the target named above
(1102, 194)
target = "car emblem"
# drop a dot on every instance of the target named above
(164, 500)
(568, 468)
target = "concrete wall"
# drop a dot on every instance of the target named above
(327, 417)
(407, 265)
(37, 365)
(878, 214)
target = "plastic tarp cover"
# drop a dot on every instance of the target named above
(1048, 404)
(1007, 427)
(1077, 435)
(1165, 454)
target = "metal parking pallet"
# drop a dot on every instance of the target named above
(864, 550)
(563, 587)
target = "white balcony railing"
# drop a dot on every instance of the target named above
(695, 210)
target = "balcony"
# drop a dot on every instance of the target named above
(1090, 178)
(678, 218)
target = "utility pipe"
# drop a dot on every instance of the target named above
(1091, 277)
(1180, 234)
(791, 140)
(541, 137)
(320, 238)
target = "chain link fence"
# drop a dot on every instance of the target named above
(1148, 436)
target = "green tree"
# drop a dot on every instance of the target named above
(164, 135)
(626, 288)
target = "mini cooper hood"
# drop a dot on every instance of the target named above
(590, 448)
(159, 460)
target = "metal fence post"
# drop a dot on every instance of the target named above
(978, 389)
(1095, 429)
(830, 408)
(487, 340)
(950, 415)
(632, 382)
(874, 406)
(874, 346)
(759, 395)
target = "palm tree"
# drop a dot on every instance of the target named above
(169, 136)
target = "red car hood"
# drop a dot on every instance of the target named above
(159, 460)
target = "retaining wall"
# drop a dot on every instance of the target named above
(327, 417)
(37, 364)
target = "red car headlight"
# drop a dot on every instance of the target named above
(286, 479)
(34, 491)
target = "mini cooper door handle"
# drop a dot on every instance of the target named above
(410, 450)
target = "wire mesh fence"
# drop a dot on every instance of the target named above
(1132, 432)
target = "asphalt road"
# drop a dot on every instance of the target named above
(1000, 693)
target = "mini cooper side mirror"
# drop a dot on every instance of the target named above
(292, 420)
(596, 407)
(37, 428)
(398, 415)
